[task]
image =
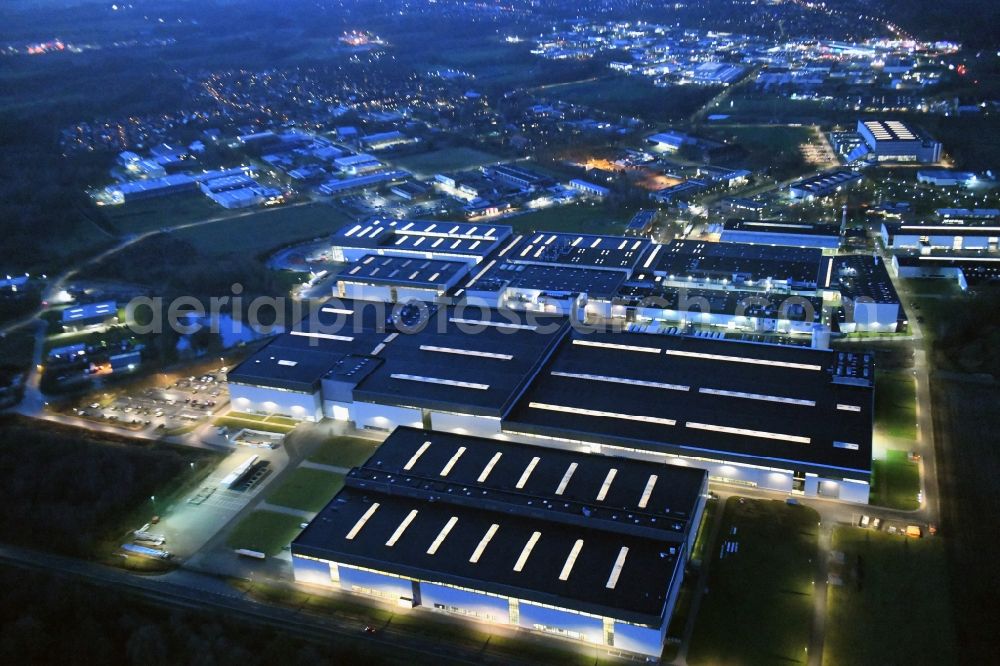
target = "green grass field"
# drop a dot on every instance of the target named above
(765, 138)
(896, 481)
(264, 531)
(573, 218)
(343, 451)
(893, 607)
(759, 605)
(136, 217)
(446, 159)
(896, 404)
(264, 229)
(307, 489)
(634, 96)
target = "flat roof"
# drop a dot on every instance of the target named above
(402, 271)
(826, 181)
(514, 519)
(965, 227)
(553, 279)
(864, 276)
(785, 407)
(580, 250)
(891, 130)
(285, 366)
(465, 359)
(649, 288)
(102, 309)
(774, 227)
(746, 261)
(423, 236)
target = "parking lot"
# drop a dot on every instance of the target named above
(173, 406)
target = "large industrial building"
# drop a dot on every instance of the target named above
(784, 418)
(588, 548)
(895, 141)
(760, 232)
(926, 235)
(602, 277)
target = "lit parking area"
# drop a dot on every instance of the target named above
(174, 405)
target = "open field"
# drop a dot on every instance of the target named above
(966, 423)
(307, 489)
(896, 404)
(265, 531)
(759, 604)
(871, 616)
(896, 481)
(343, 451)
(136, 217)
(634, 96)
(446, 159)
(264, 229)
(583, 218)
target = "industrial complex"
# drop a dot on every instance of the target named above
(588, 548)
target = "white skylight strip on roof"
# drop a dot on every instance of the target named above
(466, 352)
(496, 324)
(758, 396)
(763, 434)
(489, 467)
(594, 412)
(743, 359)
(616, 570)
(526, 551)
(571, 559)
(402, 528)
(566, 477)
(333, 310)
(442, 535)
(527, 472)
(478, 552)
(975, 259)
(606, 486)
(361, 521)
(647, 492)
(848, 408)
(510, 246)
(451, 462)
(353, 230)
(323, 336)
(620, 380)
(287, 363)
(416, 456)
(444, 382)
(652, 256)
(612, 345)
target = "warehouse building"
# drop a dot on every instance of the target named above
(823, 184)
(398, 279)
(781, 418)
(645, 300)
(967, 270)
(552, 289)
(89, 315)
(981, 235)
(822, 236)
(418, 238)
(694, 263)
(514, 535)
(895, 141)
(596, 252)
(869, 301)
